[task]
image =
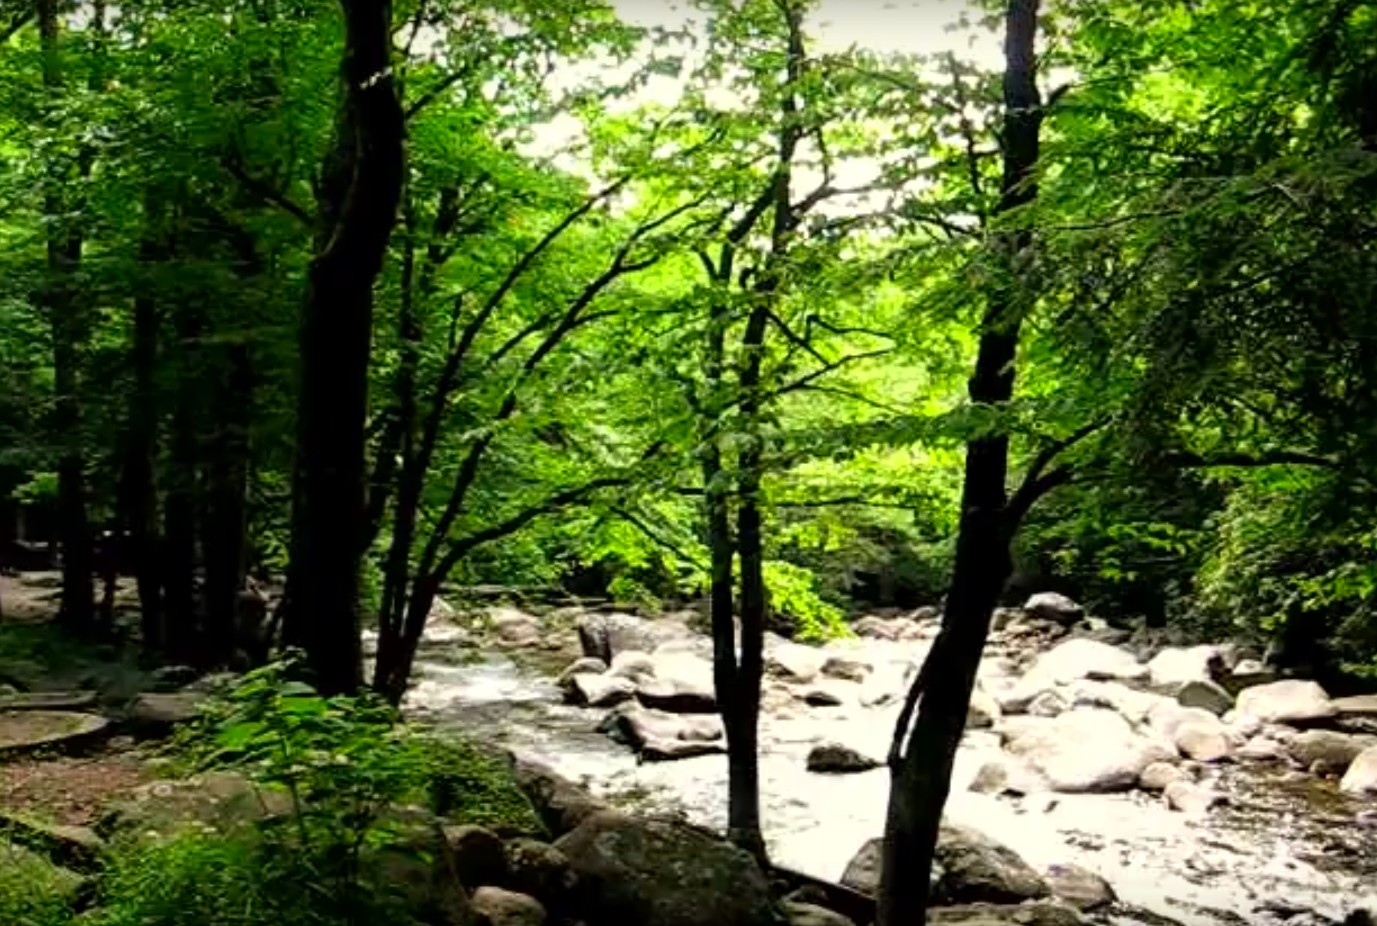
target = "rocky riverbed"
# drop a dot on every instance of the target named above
(1200, 789)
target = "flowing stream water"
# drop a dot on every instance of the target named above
(1282, 845)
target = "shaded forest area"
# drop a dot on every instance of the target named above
(305, 320)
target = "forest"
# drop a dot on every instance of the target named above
(318, 314)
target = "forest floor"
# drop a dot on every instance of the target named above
(37, 655)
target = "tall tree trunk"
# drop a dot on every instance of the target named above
(922, 757)
(360, 191)
(181, 624)
(68, 325)
(138, 489)
(225, 525)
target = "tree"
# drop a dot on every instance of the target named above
(933, 718)
(360, 187)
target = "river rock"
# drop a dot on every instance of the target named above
(1361, 777)
(1133, 704)
(477, 854)
(1292, 701)
(499, 907)
(846, 668)
(560, 803)
(1049, 703)
(1189, 797)
(682, 684)
(1006, 775)
(584, 665)
(645, 872)
(969, 867)
(153, 712)
(1080, 887)
(1080, 658)
(794, 662)
(605, 634)
(1167, 717)
(829, 694)
(1158, 775)
(1261, 749)
(633, 664)
(836, 759)
(983, 711)
(1055, 607)
(1087, 751)
(1202, 742)
(976, 869)
(1357, 706)
(888, 628)
(538, 869)
(600, 690)
(1335, 750)
(1177, 665)
(1038, 913)
(807, 914)
(660, 736)
(170, 678)
(1205, 694)
(514, 627)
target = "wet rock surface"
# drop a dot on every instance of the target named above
(1262, 834)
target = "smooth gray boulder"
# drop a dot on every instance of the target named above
(1292, 701)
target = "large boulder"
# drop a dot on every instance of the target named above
(794, 662)
(1053, 606)
(217, 799)
(976, 869)
(584, 665)
(682, 683)
(1039, 913)
(633, 664)
(847, 667)
(1080, 887)
(807, 914)
(498, 907)
(1361, 777)
(1006, 775)
(662, 736)
(1206, 695)
(477, 855)
(1086, 750)
(1078, 658)
(645, 872)
(968, 867)
(560, 804)
(1332, 749)
(606, 690)
(538, 869)
(603, 635)
(1293, 701)
(1176, 665)
(837, 759)
(513, 627)
(1202, 742)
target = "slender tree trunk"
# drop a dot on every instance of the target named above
(922, 757)
(68, 325)
(225, 525)
(181, 624)
(138, 487)
(360, 192)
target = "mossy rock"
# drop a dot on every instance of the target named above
(220, 800)
(28, 731)
(48, 701)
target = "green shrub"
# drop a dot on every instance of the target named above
(32, 891)
(241, 879)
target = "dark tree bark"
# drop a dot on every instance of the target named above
(225, 525)
(138, 488)
(68, 323)
(922, 755)
(181, 504)
(360, 190)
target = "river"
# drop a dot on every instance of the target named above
(1282, 845)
